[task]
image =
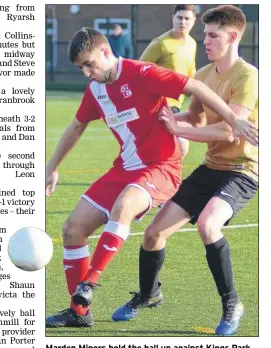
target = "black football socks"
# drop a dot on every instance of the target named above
(150, 264)
(219, 261)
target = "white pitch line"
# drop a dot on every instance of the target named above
(191, 229)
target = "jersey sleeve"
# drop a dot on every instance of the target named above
(245, 90)
(87, 110)
(152, 53)
(161, 81)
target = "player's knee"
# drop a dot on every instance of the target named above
(209, 229)
(122, 209)
(69, 231)
(152, 237)
(206, 227)
(124, 203)
(66, 230)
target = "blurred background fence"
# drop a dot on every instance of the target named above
(141, 23)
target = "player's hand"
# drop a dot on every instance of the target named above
(245, 128)
(51, 181)
(233, 139)
(166, 115)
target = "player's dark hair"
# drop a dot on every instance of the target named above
(184, 8)
(84, 40)
(225, 15)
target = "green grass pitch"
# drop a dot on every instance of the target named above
(192, 306)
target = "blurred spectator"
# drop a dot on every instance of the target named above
(176, 50)
(120, 44)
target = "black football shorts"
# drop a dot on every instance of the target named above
(204, 183)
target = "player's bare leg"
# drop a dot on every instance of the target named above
(151, 258)
(210, 222)
(168, 220)
(131, 202)
(82, 222)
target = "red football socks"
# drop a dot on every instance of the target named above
(76, 264)
(107, 247)
(76, 259)
(110, 243)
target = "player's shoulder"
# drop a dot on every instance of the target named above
(136, 64)
(163, 36)
(245, 68)
(138, 67)
(204, 71)
(159, 40)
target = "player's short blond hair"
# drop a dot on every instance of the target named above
(85, 39)
(226, 15)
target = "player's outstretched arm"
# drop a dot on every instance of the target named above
(51, 181)
(243, 114)
(207, 97)
(216, 132)
(68, 140)
(194, 117)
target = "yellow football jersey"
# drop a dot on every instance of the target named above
(178, 55)
(237, 86)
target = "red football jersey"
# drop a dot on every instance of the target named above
(129, 106)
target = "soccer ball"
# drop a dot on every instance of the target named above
(30, 249)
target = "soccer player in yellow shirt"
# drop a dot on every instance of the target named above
(225, 182)
(176, 50)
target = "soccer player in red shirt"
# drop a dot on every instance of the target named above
(127, 95)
